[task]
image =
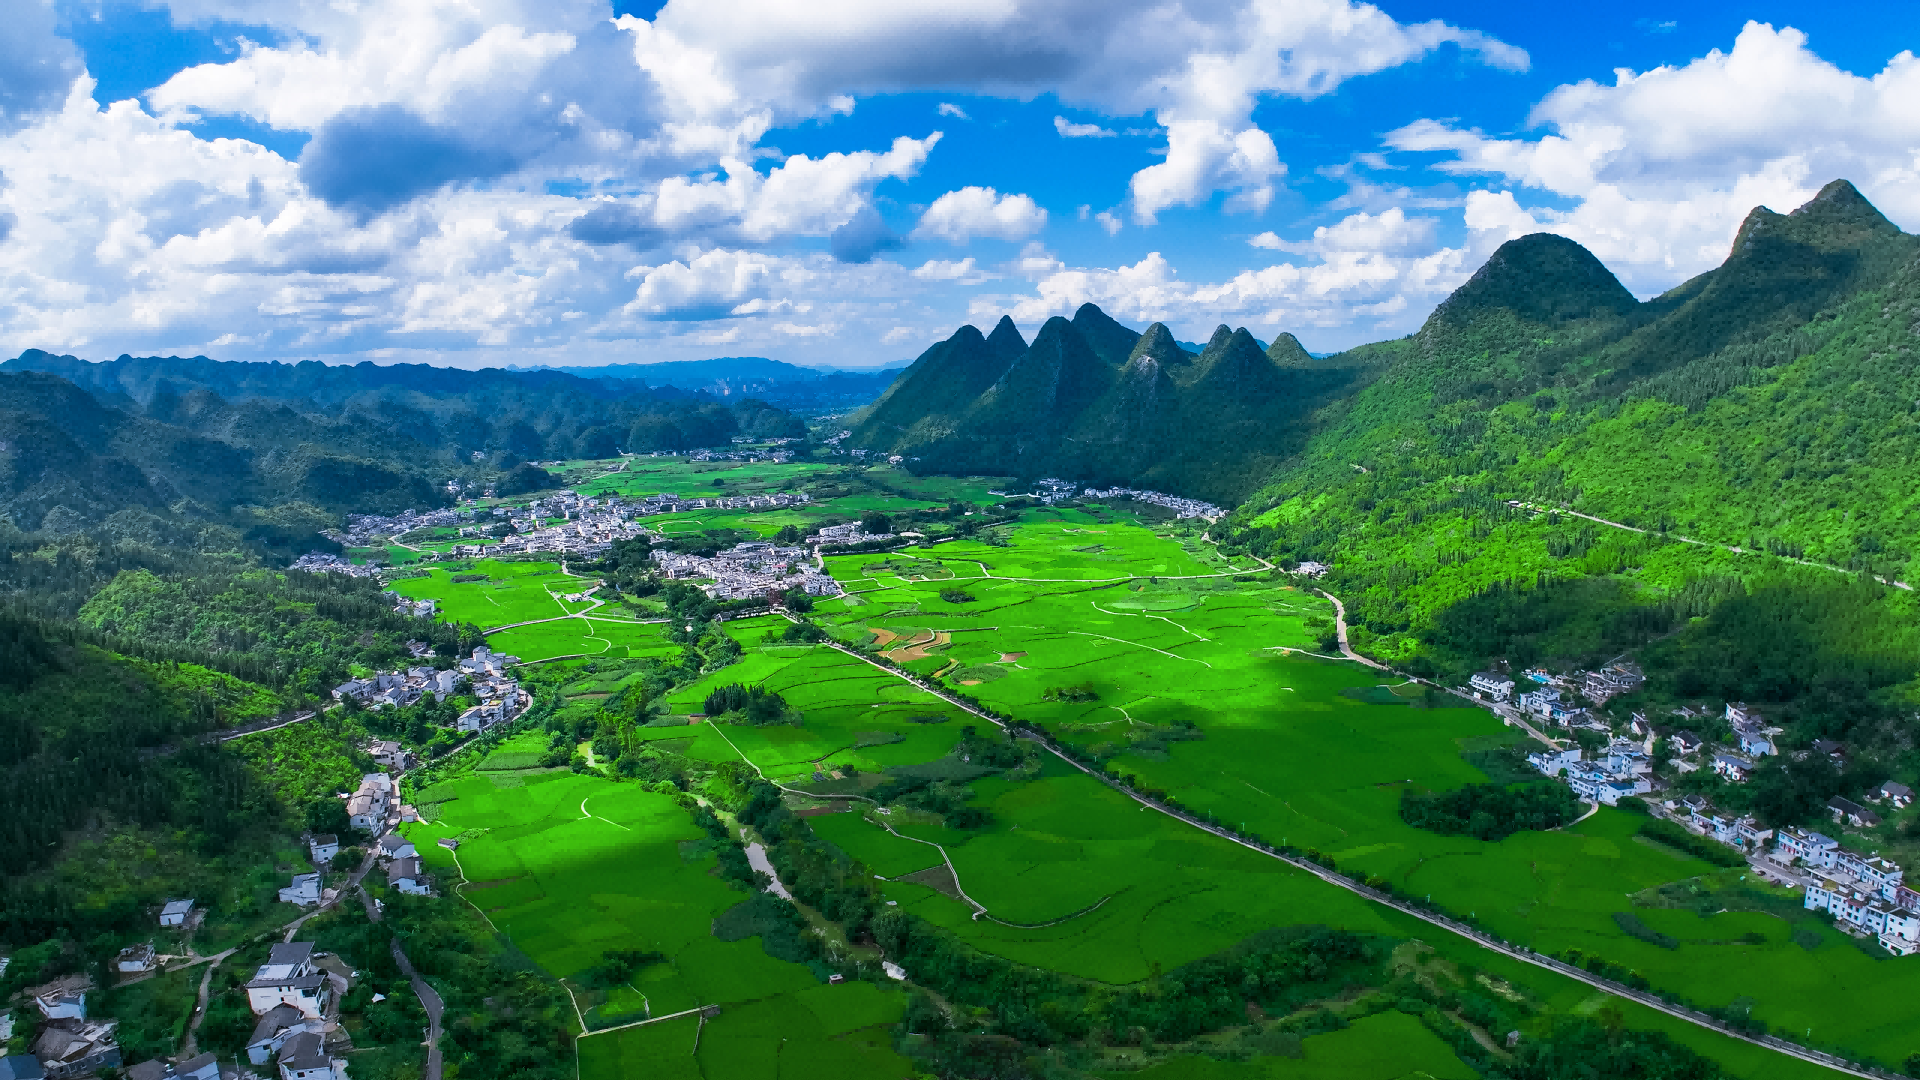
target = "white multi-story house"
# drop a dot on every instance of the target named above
(1550, 762)
(323, 847)
(1811, 848)
(289, 977)
(1734, 767)
(1491, 685)
(303, 891)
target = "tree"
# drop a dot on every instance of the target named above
(875, 523)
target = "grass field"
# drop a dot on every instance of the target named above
(511, 592)
(586, 636)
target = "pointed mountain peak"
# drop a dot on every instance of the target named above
(1157, 344)
(1287, 351)
(1841, 203)
(968, 334)
(1005, 340)
(1221, 335)
(1108, 339)
(1542, 278)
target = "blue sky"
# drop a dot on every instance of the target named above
(844, 182)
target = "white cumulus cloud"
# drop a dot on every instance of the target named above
(958, 216)
(1655, 171)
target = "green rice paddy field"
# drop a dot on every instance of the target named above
(566, 867)
(1152, 631)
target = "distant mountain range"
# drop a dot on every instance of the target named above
(788, 385)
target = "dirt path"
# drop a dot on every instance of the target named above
(1734, 548)
(1340, 631)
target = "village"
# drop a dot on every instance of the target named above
(294, 995)
(1865, 894)
(482, 675)
(751, 570)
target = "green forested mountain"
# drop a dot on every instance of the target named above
(1771, 404)
(278, 451)
(1091, 399)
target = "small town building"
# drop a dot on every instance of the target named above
(304, 890)
(323, 847)
(135, 959)
(289, 977)
(276, 1026)
(304, 1057)
(175, 912)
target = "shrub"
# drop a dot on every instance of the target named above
(1672, 835)
(956, 596)
(1489, 811)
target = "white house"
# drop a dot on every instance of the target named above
(1550, 762)
(304, 891)
(1491, 685)
(395, 846)
(175, 912)
(135, 959)
(289, 977)
(276, 1026)
(404, 874)
(1899, 794)
(1810, 848)
(324, 847)
(1733, 767)
(304, 1057)
(63, 1003)
(1902, 935)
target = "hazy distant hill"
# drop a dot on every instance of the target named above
(279, 450)
(787, 385)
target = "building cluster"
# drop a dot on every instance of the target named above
(752, 570)
(871, 455)
(1556, 697)
(669, 503)
(402, 688)
(374, 530)
(70, 1044)
(408, 606)
(778, 453)
(296, 997)
(321, 562)
(1864, 891)
(485, 672)
(1182, 508)
(567, 523)
(501, 698)
(850, 533)
(1623, 769)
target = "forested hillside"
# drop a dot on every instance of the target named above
(1769, 405)
(275, 453)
